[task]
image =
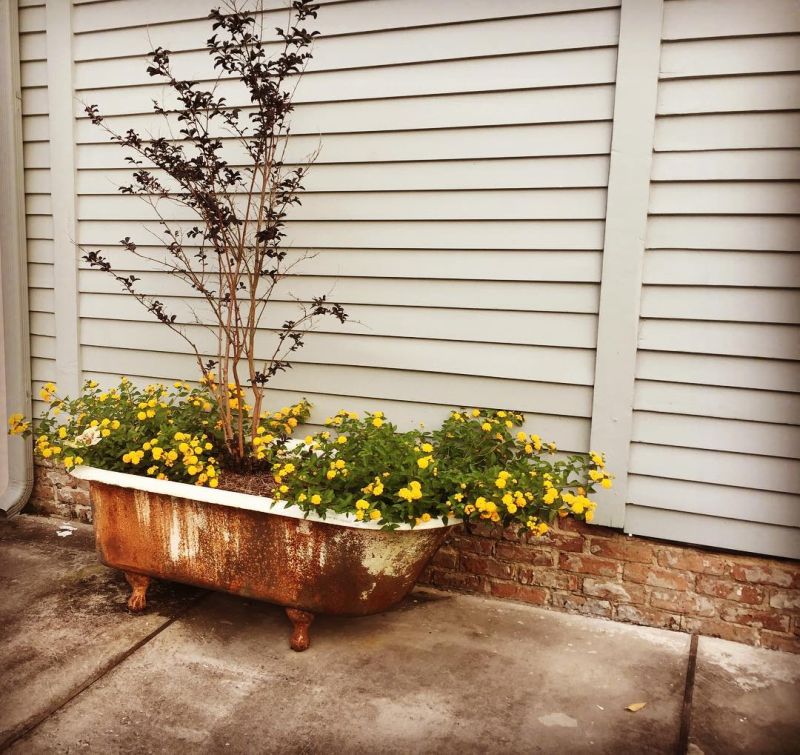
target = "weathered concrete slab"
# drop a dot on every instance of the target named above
(745, 700)
(63, 617)
(442, 674)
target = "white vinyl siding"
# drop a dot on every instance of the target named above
(715, 454)
(457, 209)
(38, 210)
(456, 205)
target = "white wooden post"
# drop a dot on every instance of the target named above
(623, 248)
(62, 172)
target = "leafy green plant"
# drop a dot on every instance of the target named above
(170, 433)
(479, 465)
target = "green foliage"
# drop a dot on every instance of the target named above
(167, 433)
(474, 467)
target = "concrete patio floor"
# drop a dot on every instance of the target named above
(207, 672)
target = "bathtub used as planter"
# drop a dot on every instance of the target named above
(255, 547)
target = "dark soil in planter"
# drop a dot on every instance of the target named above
(252, 483)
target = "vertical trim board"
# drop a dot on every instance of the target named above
(62, 171)
(623, 248)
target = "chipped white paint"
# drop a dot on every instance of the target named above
(393, 556)
(142, 501)
(175, 550)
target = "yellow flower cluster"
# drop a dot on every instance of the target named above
(412, 493)
(536, 527)
(286, 420)
(18, 425)
(45, 449)
(48, 392)
(600, 475)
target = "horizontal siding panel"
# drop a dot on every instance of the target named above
(442, 144)
(40, 250)
(729, 94)
(713, 500)
(727, 131)
(523, 234)
(502, 36)
(682, 267)
(36, 155)
(128, 37)
(38, 204)
(733, 372)
(740, 55)
(37, 180)
(442, 264)
(34, 100)
(529, 71)
(32, 19)
(43, 347)
(727, 165)
(33, 73)
(39, 226)
(40, 300)
(35, 128)
(478, 326)
(717, 532)
(714, 434)
(717, 467)
(721, 304)
(517, 204)
(725, 198)
(420, 387)
(32, 46)
(520, 173)
(486, 295)
(536, 363)
(752, 232)
(42, 324)
(40, 275)
(716, 401)
(730, 339)
(117, 15)
(565, 105)
(712, 18)
(42, 371)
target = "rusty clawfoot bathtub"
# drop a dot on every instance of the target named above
(254, 547)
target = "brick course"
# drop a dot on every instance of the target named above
(579, 568)
(598, 571)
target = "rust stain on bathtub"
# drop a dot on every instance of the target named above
(316, 567)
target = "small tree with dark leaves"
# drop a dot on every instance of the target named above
(234, 255)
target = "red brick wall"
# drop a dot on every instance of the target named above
(585, 569)
(598, 571)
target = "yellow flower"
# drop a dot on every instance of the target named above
(377, 488)
(486, 427)
(340, 464)
(377, 422)
(500, 482)
(115, 424)
(213, 482)
(374, 514)
(537, 442)
(476, 413)
(18, 426)
(426, 517)
(606, 482)
(341, 439)
(141, 416)
(359, 515)
(427, 448)
(423, 462)
(316, 499)
(79, 460)
(362, 504)
(284, 488)
(330, 474)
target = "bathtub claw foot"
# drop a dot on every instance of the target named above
(139, 584)
(301, 621)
